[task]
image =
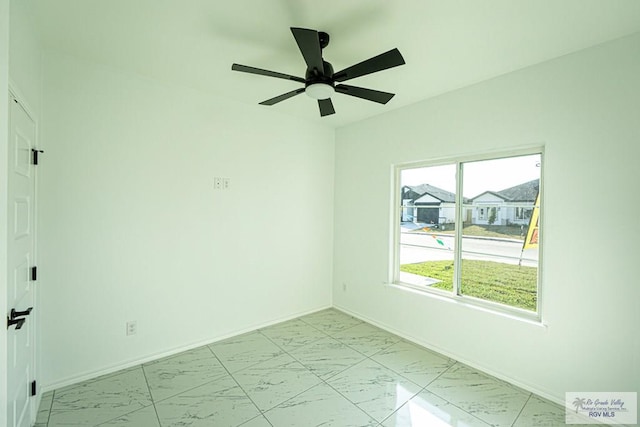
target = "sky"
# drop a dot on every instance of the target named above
(480, 176)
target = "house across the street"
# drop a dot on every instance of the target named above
(427, 204)
(512, 205)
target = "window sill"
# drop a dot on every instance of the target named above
(533, 319)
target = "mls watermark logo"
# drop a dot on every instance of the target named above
(601, 407)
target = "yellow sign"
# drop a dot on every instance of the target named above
(532, 234)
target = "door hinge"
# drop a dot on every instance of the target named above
(35, 154)
(34, 273)
(33, 388)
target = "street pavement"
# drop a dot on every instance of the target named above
(420, 247)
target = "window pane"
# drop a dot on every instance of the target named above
(427, 218)
(499, 203)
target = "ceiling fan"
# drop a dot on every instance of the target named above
(320, 79)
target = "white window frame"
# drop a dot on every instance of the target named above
(455, 295)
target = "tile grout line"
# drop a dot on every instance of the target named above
(153, 402)
(366, 357)
(378, 363)
(323, 381)
(423, 388)
(240, 387)
(353, 403)
(521, 410)
(189, 389)
(53, 396)
(209, 346)
(459, 408)
(111, 419)
(135, 410)
(394, 371)
(301, 364)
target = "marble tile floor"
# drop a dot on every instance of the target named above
(323, 369)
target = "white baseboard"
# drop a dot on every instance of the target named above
(89, 375)
(533, 388)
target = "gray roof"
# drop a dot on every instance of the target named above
(438, 193)
(525, 192)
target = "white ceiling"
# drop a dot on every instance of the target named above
(447, 44)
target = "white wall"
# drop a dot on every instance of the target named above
(132, 229)
(585, 109)
(25, 59)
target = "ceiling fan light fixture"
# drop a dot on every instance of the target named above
(319, 91)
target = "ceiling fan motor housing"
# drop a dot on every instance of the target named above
(320, 76)
(324, 39)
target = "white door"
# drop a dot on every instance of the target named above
(20, 292)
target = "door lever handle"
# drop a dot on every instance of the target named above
(15, 313)
(17, 322)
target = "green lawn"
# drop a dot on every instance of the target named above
(504, 283)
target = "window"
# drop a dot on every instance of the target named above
(469, 230)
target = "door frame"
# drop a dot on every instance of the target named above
(15, 94)
(4, 173)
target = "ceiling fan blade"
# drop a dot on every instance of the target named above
(282, 97)
(309, 44)
(261, 72)
(386, 60)
(326, 107)
(368, 94)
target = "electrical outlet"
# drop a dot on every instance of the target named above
(344, 286)
(217, 183)
(226, 182)
(132, 327)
